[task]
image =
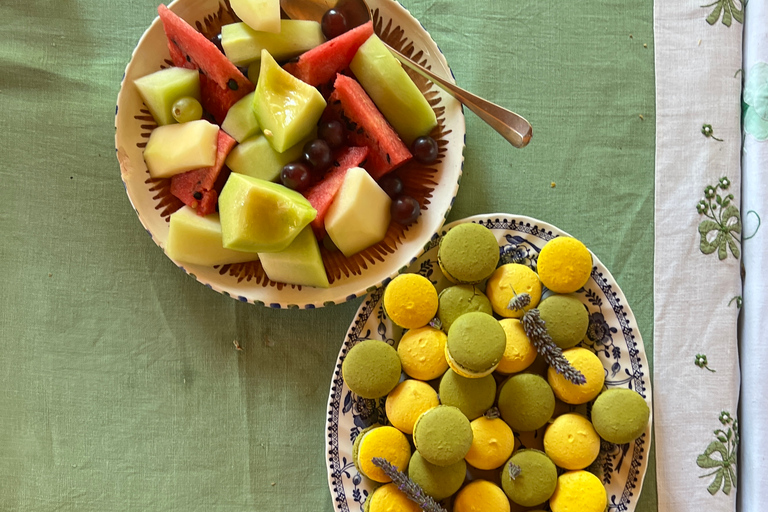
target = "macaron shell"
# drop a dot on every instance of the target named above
(442, 435)
(481, 496)
(620, 415)
(519, 352)
(468, 253)
(409, 400)
(475, 345)
(439, 482)
(473, 397)
(456, 300)
(410, 301)
(388, 498)
(566, 319)
(579, 491)
(371, 369)
(564, 264)
(510, 280)
(526, 402)
(537, 479)
(385, 442)
(492, 443)
(590, 366)
(422, 353)
(571, 442)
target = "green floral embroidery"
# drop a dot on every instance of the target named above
(726, 445)
(728, 10)
(709, 132)
(718, 234)
(739, 301)
(701, 362)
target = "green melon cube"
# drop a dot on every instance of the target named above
(359, 215)
(286, 108)
(256, 158)
(263, 15)
(176, 148)
(299, 263)
(261, 216)
(241, 122)
(392, 90)
(161, 89)
(197, 240)
(243, 45)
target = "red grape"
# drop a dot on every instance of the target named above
(392, 185)
(424, 149)
(333, 24)
(317, 153)
(296, 176)
(405, 210)
(331, 132)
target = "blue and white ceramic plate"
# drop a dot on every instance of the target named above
(434, 185)
(612, 335)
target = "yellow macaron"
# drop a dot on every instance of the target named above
(422, 353)
(508, 280)
(385, 442)
(590, 366)
(492, 443)
(564, 264)
(571, 441)
(410, 301)
(407, 402)
(519, 353)
(481, 496)
(388, 498)
(578, 491)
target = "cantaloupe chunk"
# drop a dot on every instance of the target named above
(176, 148)
(261, 15)
(241, 122)
(256, 157)
(161, 89)
(243, 45)
(300, 263)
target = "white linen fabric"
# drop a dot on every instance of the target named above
(697, 283)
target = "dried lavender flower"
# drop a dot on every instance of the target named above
(519, 302)
(492, 413)
(410, 488)
(514, 470)
(536, 330)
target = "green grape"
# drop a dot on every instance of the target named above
(187, 109)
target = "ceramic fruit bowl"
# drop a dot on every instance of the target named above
(434, 185)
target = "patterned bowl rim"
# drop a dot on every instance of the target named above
(329, 298)
(636, 476)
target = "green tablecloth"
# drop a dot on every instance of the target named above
(120, 387)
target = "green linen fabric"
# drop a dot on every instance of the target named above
(120, 386)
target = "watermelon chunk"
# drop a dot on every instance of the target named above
(321, 195)
(320, 64)
(221, 83)
(203, 181)
(367, 127)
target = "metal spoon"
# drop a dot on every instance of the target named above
(511, 126)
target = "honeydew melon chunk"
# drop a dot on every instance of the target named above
(263, 15)
(261, 216)
(176, 148)
(161, 89)
(286, 108)
(197, 240)
(359, 215)
(299, 263)
(256, 158)
(392, 90)
(241, 122)
(243, 45)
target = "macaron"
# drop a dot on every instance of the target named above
(468, 253)
(422, 353)
(492, 443)
(481, 496)
(519, 352)
(388, 498)
(371, 369)
(456, 300)
(564, 264)
(410, 301)
(590, 366)
(566, 319)
(578, 491)
(407, 402)
(442, 435)
(385, 442)
(536, 480)
(510, 280)
(475, 345)
(473, 397)
(620, 415)
(439, 482)
(526, 402)
(571, 441)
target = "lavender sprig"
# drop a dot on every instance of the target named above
(519, 302)
(410, 488)
(492, 413)
(514, 470)
(536, 330)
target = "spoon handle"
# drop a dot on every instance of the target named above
(511, 126)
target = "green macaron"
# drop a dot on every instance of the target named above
(442, 435)
(536, 481)
(526, 402)
(620, 415)
(473, 397)
(439, 482)
(566, 319)
(468, 253)
(475, 345)
(371, 369)
(456, 300)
